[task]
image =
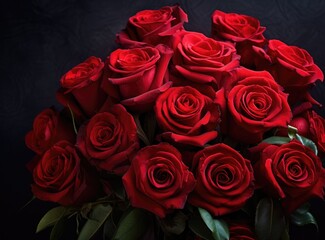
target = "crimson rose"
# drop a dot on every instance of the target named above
(292, 67)
(49, 127)
(243, 30)
(109, 139)
(203, 60)
(135, 77)
(312, 126)
(61, 177)
(152, 27)
(80, 88)
(291, 172)
(224, 180)
(241, 231)
(252, 103)
(158, 180)
(187, 116)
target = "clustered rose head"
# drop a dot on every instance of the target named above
(291, 172)
(170, 113)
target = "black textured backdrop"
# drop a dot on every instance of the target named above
(42, 39)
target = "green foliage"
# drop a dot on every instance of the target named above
(52, 217)
(58, 229)
(277, 140)
(270, 221)
(308, 143)
(219, 228)
(96, 219)
(198, 226)
(132, 225)
(302, 217)
(174, 224)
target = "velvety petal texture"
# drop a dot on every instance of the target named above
(109, 140)
(291, 172)
(292, 67)
(152, 27)
(224, 180)
(80, 87)
(49, 127)
(241, 231)
(203, 60)
(61, 177)
(252, 103)
(158, 180)
(186, 116)
(136, 77)
(243, 30)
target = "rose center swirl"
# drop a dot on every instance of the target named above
(160, 176)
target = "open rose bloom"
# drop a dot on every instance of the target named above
(180, 135)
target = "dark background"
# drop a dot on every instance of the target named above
(41, 39)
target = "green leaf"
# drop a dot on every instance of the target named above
(277, 140)
(27, 203)
(73, 121)
(58, 229)
(96, 219)
(285, 235)
(292, 131)
(308, 143)
(109, 228)
(269, 220)
(198, 226)
(302, 217)
(218, 228)
(174, 224)
(132, 226)
(51, 217)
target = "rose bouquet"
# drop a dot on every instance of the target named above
(177, 135)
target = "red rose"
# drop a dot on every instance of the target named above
(251, 104)
(243, 30)
(109, 139)
(240, 231)
(152, 27)
(292, 67)
(49, 127)
(311, 125)
(200, 59)
(137, 76)
(224, 180)
(187, 116)
(291, 172)
(158, 180)
(80, 88)
(61, 177)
